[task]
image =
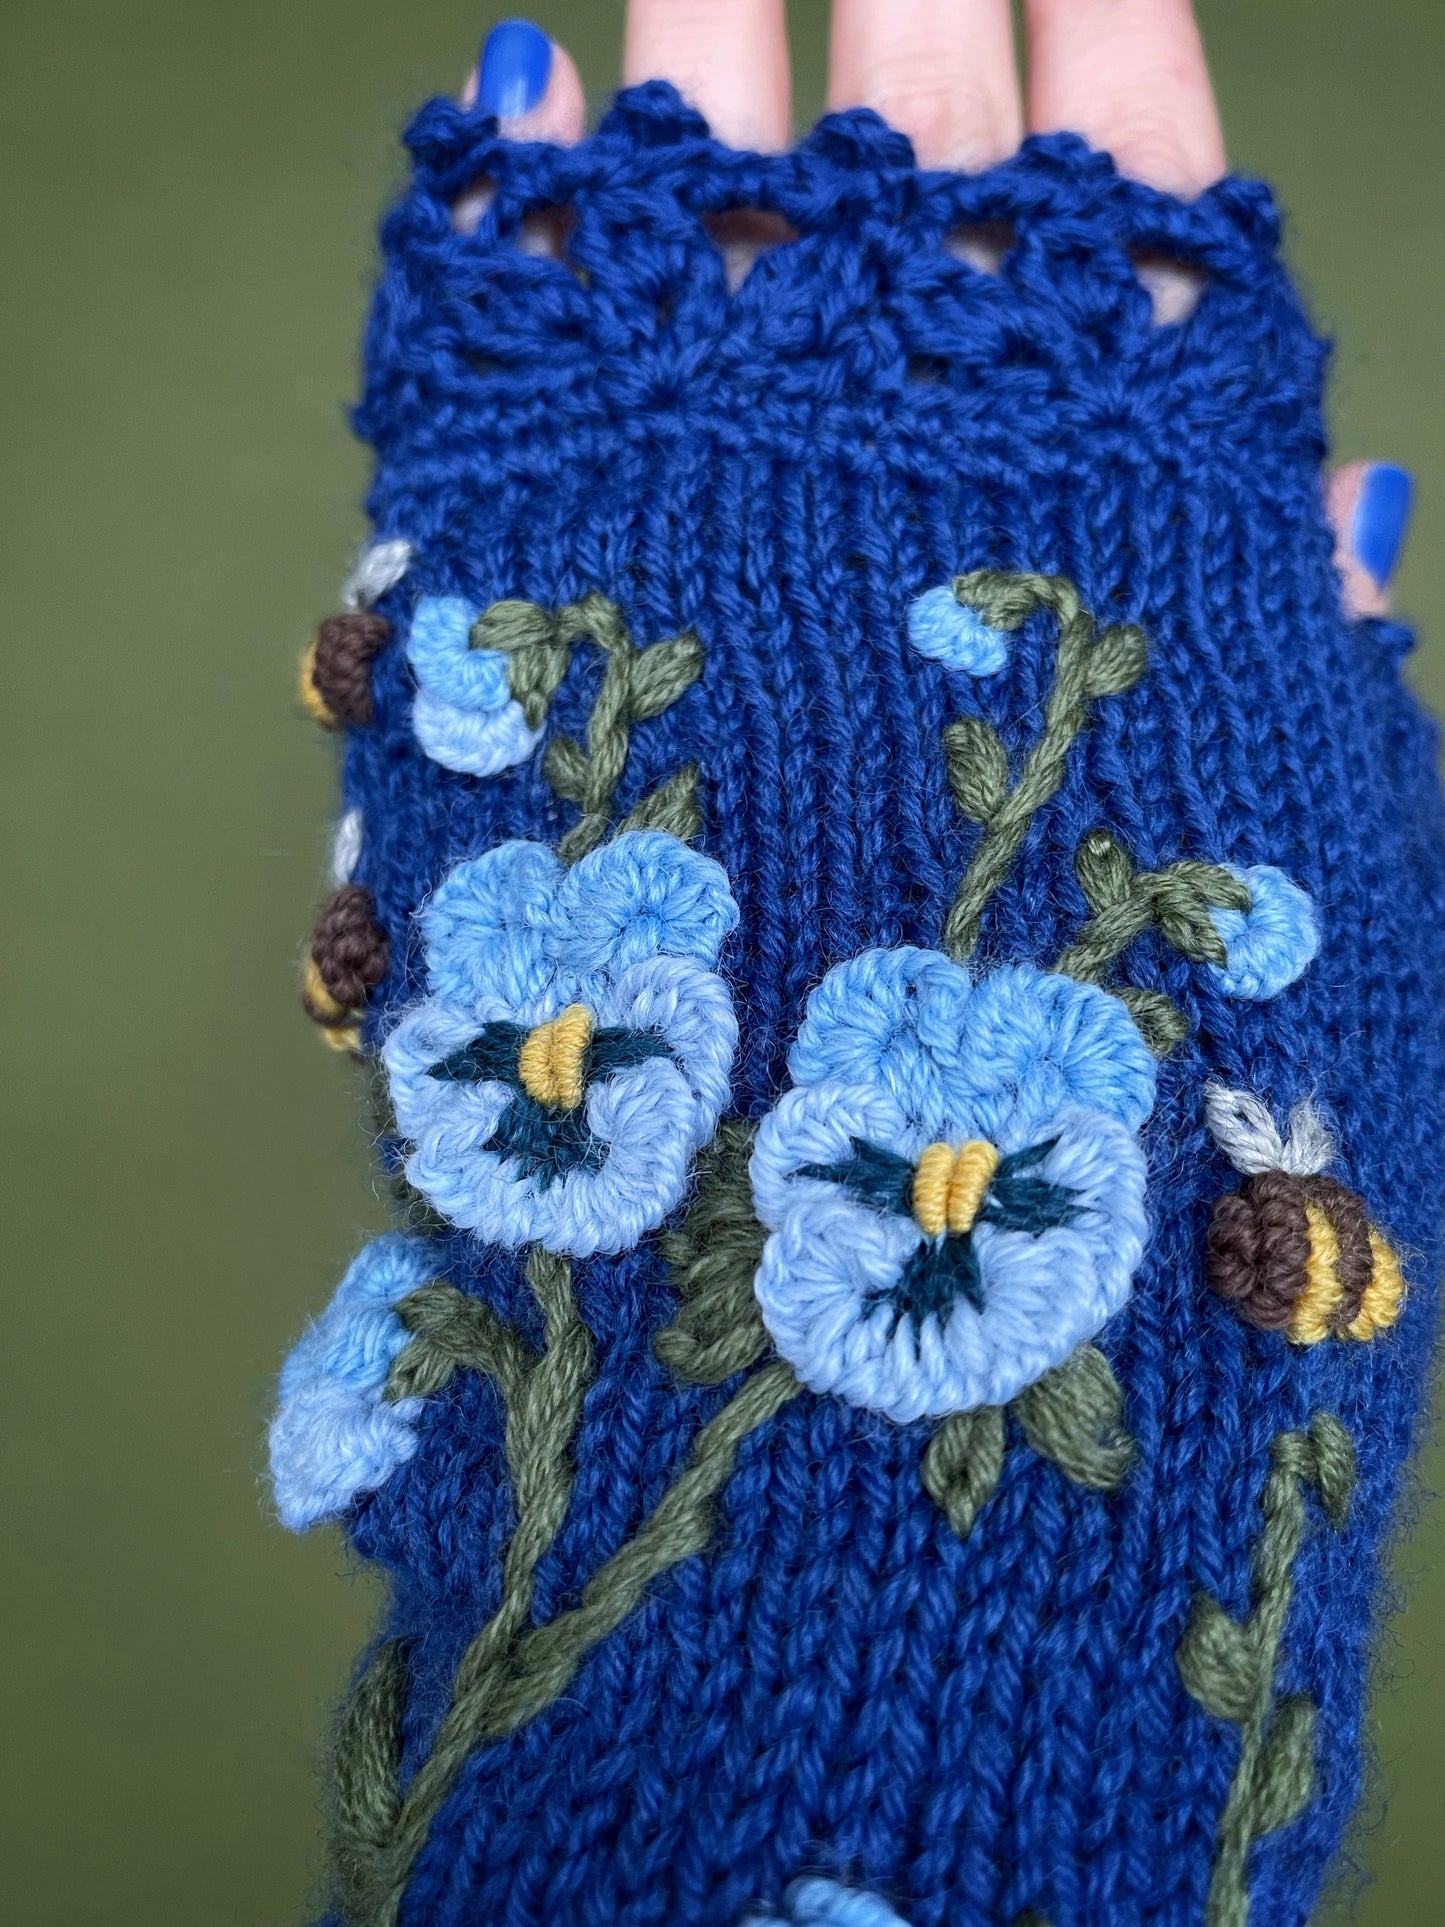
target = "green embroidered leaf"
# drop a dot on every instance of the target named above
(452, 1331)
(1335, 1467)
(962, 1464)
(1162, 1024)
(977, 768)
(713, 1257)
(1071, 1416)
(1117, 660)
(659, 675)
(565, 767)
(1105, 871)
(1284, 1773)
(1220, 1664)
(673, 807)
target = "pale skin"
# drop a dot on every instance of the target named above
(1129, 75)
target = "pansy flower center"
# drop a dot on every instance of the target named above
(550, 1068)
(552, 1062)
(949, 1192)
(949, 1186)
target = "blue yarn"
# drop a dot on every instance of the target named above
(996, 1058)
(833, 1270)
(464, 716)
(975, 1730)
(815, 1902)
(512, 939)
(1272, 943)
(333, 1436)
(940, 626)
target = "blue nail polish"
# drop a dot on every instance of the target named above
(516, 61)
(1382, 515)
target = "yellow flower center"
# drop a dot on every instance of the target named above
(550, 1062)
(949, 1186)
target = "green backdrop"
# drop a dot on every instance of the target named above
(187, 201)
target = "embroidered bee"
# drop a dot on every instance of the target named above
(1292, 1250)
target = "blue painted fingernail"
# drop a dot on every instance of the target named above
(1382, 515)
(516, 61)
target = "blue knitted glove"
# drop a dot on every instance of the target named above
(898, 930)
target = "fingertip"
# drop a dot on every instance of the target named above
(530, 83)
(1369, 506)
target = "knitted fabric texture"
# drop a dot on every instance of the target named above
(832, 1681)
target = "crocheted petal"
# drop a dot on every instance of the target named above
(941, 627)
(478, 743)
(1273, 942)
(691, 1009)
(816, 1902)
(449, 1123)
(1036, 1043)
(648, 1119)
(438, 647)
(893, 1019)
(819, 1286)
(486, 927)
(643, 894)
(1044, 1294)
(332, 1435)
(330, 1444)
(818, 1125)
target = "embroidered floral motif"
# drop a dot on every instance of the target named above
(465, 715)
(576, 1048)
(954, 1188)
(1272, 943)
(816, 1902)
(943, 626)
(335, 1435)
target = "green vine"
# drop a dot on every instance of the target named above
(1228, 1665)
(1090, 664)
(512, 1669)
(1123, 902)
(637, 684)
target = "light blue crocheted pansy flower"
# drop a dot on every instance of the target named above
(464, 716)
(334, 1435)
(942, 627)
(954, 1187)
(576, 1049)
(816, 1902)
(1273, 942)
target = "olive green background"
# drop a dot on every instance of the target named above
(187, 202)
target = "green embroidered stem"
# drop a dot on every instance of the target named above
(637, 685)
(962, 1464)
(1229, 1666)
(493, 1701)
(539, 645)
(1126, 902)
(1088, 666)
(1072, 1416)
(543, 1399)
(366, 1796)
(714, 1257)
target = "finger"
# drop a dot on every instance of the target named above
(940, 71)
(1129, 75)
(530, 83)
(533, 87)
(1369, 509)
(727, 58)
